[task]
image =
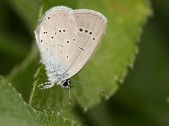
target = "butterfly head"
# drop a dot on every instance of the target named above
(66, 84)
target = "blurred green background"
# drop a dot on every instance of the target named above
(141, 100)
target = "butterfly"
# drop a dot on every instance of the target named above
(67, 39)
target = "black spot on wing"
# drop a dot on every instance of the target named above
(86, 31)
(90, 33)
(80, 29)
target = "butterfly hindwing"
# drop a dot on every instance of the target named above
(91, 27)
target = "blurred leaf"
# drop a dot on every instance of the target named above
(144, 94)
(117, 52)
(22, 76)
(143, 99)
(15, 41)
(14, 112)
(27, 10)
(51, 3)
(8, 47)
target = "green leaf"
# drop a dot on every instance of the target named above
(51, 3)
(15, 112)
(109, 66)
(52, 99)
(14, 38)
(22, 76)
(52, 119)
(116, 54)
(27, 10)
(13, 49)
(55, 98)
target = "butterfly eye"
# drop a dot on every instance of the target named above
(66, 83)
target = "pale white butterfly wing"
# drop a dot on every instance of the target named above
(67, 39)
(91, 27)
(55, 37)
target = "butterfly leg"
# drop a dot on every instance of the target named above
(46, 85)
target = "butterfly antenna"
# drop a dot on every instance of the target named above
(70, 97)
(86, 85)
